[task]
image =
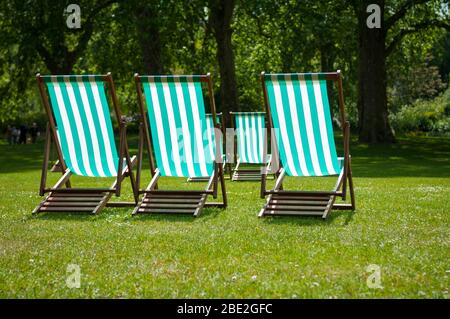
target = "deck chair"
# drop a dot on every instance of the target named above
(174, 127)
(300, 121)
(80, 127)
(211, 143)
(250, 128)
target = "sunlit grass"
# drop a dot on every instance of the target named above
(401, 224)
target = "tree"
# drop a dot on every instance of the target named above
(40, 26)
(375, 45)
(221, 15)
(35, 37)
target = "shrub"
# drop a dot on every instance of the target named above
(430, 116)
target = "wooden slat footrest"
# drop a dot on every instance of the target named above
(246, 175)
(170, 203)
(71, 202)
(301, 205)
(198, 179)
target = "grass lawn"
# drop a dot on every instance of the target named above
(401, 224)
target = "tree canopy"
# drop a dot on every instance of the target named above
(386, 68)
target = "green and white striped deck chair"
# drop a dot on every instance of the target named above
(81, 128)
(211, 144)
(175, 129)
(250, 130)
(302, 128)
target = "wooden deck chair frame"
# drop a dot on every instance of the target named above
(158, 201)
(310, 203)
(69, 199)
(224, 161)
(247, 174)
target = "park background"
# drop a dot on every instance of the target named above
(396, 77)
(397, 97)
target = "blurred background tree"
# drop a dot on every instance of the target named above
(400, 70)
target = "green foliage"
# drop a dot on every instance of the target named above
(421, 81)
(430, 116)
(268, 35)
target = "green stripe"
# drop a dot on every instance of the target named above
(211, 137)
(181, 78)
(316, 125)
(109, 127)
(73, 78)
(185, 81)
(73, 126)
(276, 124)
(83, 117)
(302, 125)
(250, 113)
(190, 120)
(268, 76)
(165, 123)
(59, 123)
(245, 133)
(61, 82)
(243, 150)
(202, 115)
(289, 126)
(178, 125)
(98, 129)
(329, 124)
(261, 136)
(153, 128)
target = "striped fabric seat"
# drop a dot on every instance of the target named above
(210, 133)
(251, 134)
(302, 123)
(84, 124)
(180, 136)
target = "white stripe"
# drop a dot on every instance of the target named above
(209, 133)
(173, 132)
(159, 127)
(283, 128)
(92, 130)
(322, 124)
(197, 128)
(254, 137)
(185, 128)
(66, 127)
(101, 117)
(260, 138)
(295, 125)
(248, 135)
(309, 126)
(241, 135)
(80, 128)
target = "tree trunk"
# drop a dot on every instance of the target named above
(326, 65)
(149, 40)
(372, 100)
(221, 16)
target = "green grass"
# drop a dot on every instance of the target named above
(401, 224)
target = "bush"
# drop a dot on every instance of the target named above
(430, 116)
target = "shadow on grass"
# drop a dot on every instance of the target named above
(206, 214)
(25, 157)
(410, 156)
(312, 220)
(70, 216)
(106, 213)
